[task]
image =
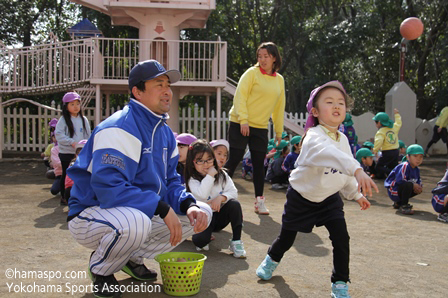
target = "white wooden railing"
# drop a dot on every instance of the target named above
(30, 132)
(59, 66)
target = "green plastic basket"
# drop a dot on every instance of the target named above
(181, 278)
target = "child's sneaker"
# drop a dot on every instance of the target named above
(260, 207)
(396, 205)
(249, 176)
(264, 271)
(277, 186)
(443, 217)
(237, 248)
(206, 248)
(339, 289)
(406, 209)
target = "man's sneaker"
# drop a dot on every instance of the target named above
(406, 209)
(260, 206)
(339, 289)
(396, 205)
(206, 248)
(277, 186)
(443, 217)
(237, 248)
(264, 271)
(104, 286)
(139, 272)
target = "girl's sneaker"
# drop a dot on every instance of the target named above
(266, 268)
(406, 209)
(206, 248)
(339, 289)
(237, 248)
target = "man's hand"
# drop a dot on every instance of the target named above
(198, 218)
(245, 129)
(365, 183)
(364, 203)
(216, 203)
(173, 223)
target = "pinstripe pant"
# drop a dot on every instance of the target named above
(122, 233)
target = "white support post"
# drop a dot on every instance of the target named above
(98, 105)
(207, 118)
(1, 129)
(218, 113)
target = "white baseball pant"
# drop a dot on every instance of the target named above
(123, 233)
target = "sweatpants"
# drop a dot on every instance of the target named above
(230, 212)
(405, 192)
(386, 163)
(339, 239)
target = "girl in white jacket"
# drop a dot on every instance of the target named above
(210, 184)
(324, 168)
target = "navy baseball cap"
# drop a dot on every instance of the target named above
(148, 70)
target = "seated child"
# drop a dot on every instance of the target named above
(183, 141)
(209, 183)
(270, 152)
(365, 157)
(367, 144)
(47, 158)
(386, 140)
(404, 181)
(290, 160)
(285, 136)
(440, 199)
(68, 181)
(247, 168)
(221, 149)
(275, 174)
(402, 149)
(57, 168)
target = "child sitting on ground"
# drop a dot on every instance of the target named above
(365, 158)
(350, 132)
(275, 174)
(402, 148)
(439, 198)
(404, 181)
(247, 168)
(221, 150)
(208, 183)
(290, 160)
(386, 140)
(183, 141)
(55, 163)
(68, 181)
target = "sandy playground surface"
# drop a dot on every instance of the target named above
(392, 255)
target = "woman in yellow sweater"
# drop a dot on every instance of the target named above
(259, 95)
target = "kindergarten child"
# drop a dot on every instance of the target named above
(68, 181)
(208, 183)
(55, 163)
(275, 174)
(404, 181)
(324, 168)
(402, 148)
(365, 158)
(350, 132)
(221, 150)
(72, 127)
(290, 159)
(46, 154)
(386, 140)
(183, 141)
(439, 198)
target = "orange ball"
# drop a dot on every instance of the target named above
(411, 28)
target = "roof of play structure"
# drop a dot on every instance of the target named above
(85, 28)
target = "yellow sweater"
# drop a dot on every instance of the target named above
(442, 120)
(257, 97)
(386, 138)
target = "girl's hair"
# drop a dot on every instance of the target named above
(195, 151)
(348, 104)
(273, 51)
(68, 120)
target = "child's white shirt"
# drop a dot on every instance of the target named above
(207, 189)
(325, 167)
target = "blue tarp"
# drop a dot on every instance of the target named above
(85, 28)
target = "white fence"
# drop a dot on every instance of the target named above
(30, 132)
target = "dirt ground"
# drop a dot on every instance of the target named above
(392, 255)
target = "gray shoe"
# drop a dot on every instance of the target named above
(443, 217)
(277, 186)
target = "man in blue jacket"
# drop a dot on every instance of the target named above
(127, 202)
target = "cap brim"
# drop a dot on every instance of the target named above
(172, 74)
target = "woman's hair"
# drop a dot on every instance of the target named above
(68, 120)
(273, 51)
(195, 151)
(348, 104)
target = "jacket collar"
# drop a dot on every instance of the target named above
(146, 113)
